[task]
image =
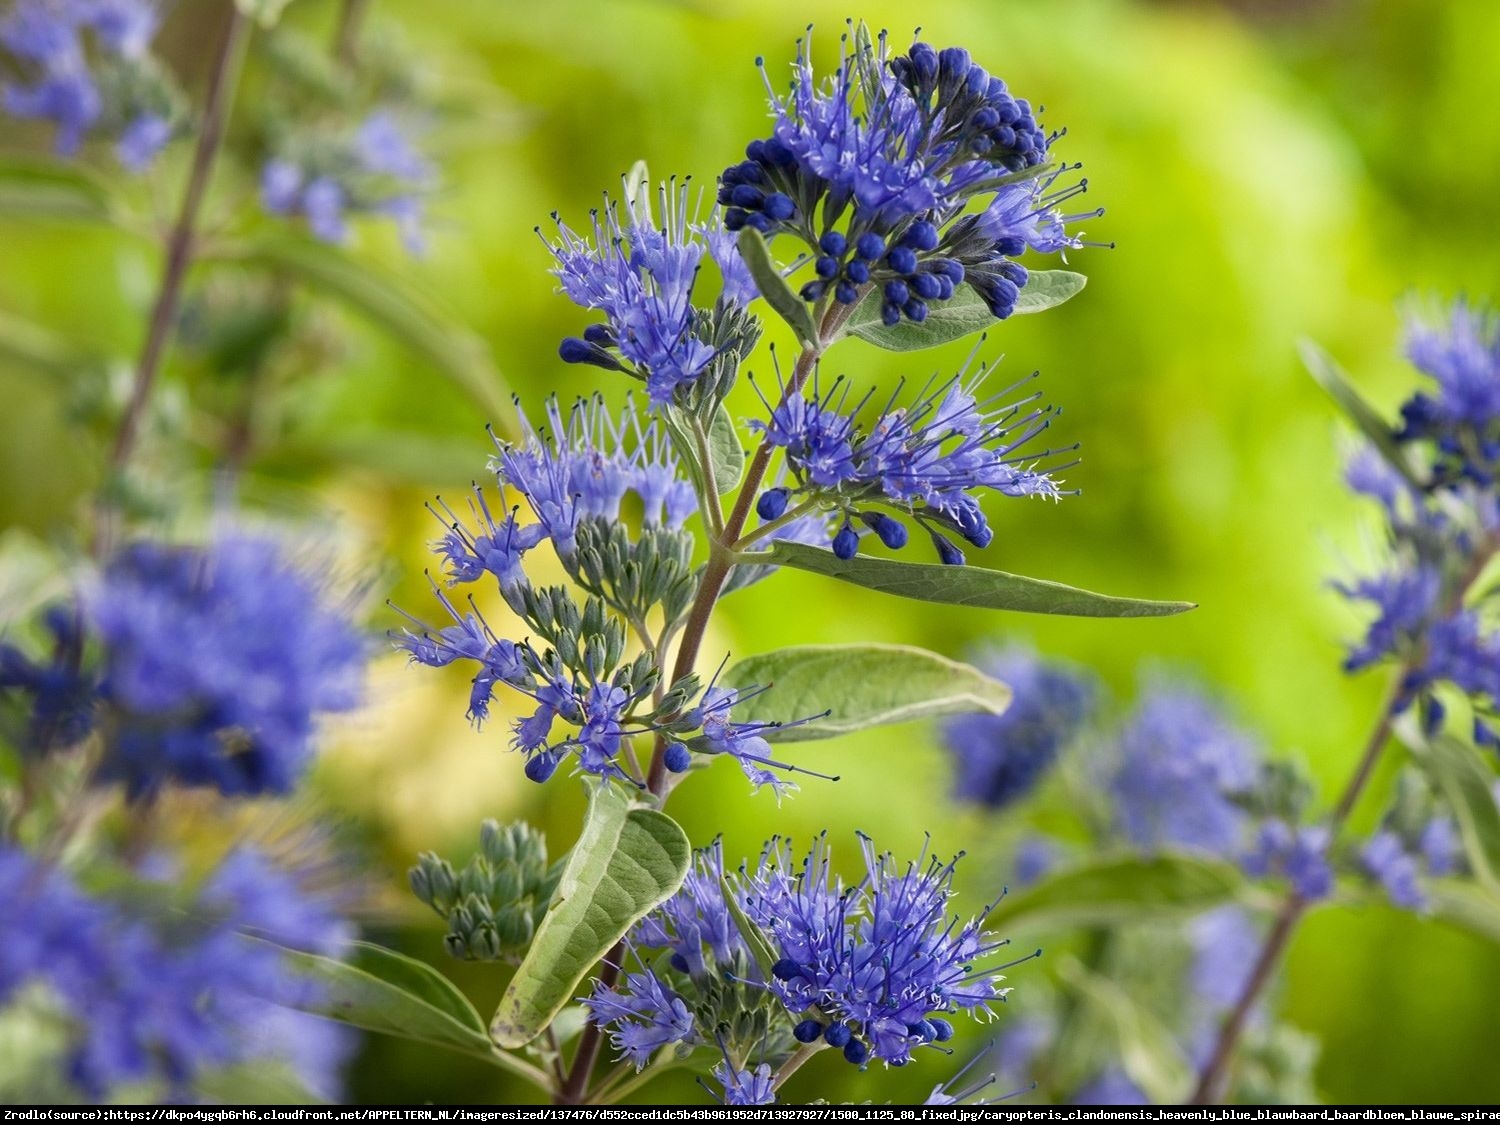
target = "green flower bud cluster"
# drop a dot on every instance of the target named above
(494, 905)
(633, 577)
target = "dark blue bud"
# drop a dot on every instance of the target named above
(870, 246)
(955, 61)
(679, 962)
(786, 969)
(600, 334)
(756, 152)
(778, 154)
(927, 286)
(856, 1052)
(539, 767)
(734, 219)
(813, 290)
(921, 236)
(924, 1031)
(837, 1034)
(748, 172)
(985, 119)
(892, 532)
(807, 1031)
(902, 260)
(915, 310)
(846, 542)
(949, 554)
(1005, 106)
(833, 243)
(760, 221)
(890, 314)
(827, 268)
(772, 503)
(897, 293)
(726, 192)
(677, 758)
(981, 144)
(747, 196)
(924, 60)
(945, 288)
(951, 268)
(780, 206)
(978, 81)
(1005, 136)
(846, 293)
(574, 350)
(857, 271)
(942, 1030)
(1015, 273)
(980, 535)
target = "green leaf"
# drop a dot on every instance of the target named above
(1108, 891)
(962, 315)
(638, 188)
(773, 287)
(264, 12)
(1148, 1052)
(863, 685)
(40, 349)
(381, 990)
(389, 304)
(1046, 289)
(1464, 781)
(726, 451)
(34, 189)
(1330, 376)
(1466, 906)
(963, 585)
(626, 862)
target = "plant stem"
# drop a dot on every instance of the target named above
(575, 1087)
(180, 242)
(794, 1063)
(346, 33)
(1280, 935)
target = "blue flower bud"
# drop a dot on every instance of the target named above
(897, 293)
(927, 286)
(747, 196)
(870, 246)
(857, 272)
(827, 268)
(813, 290)
(734, 219)
(786, 969)
(837, 1034)
(942, 1030)
(945, 288)
(679, 962)
(539, 767)
(779, 206)
(807, 1031)
(890, 314)
(833, 243)
(915, 310)
(846, 542)
(902, 260)
(772, 503)
(600, 334)
(892, 532)
(846, 293)
(856, 1052)
(950, 554)
(677, 758)
(924, 61)
(921, 236)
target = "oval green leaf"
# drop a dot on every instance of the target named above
(1466, 907)
(963, 585)
(1468, 787)
(388, 303)
(773, 287)
(962, 315)
(727, 452)
(626, 862)
(1330, 376)
(862, 685)
(1108, 891)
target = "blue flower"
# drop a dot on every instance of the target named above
(375, 168)
(164, 995)
(584, 464)
(1180, 765)
(923, 461)
(1387, 860)
(871, 966)
(1298, 854)
(48, 39)
(1407, 602)
(742, 1086)
(696, 919)
(1463, 358)
(1439, 846)
(641, 275)
(998, 759)
(901, 146)
(218, 661)
(643, 1015)
(1225, 946)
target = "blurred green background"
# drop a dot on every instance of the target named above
(1271, 171)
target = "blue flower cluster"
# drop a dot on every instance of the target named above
(1442, 511)
(876, 168)
(1401, 867)
(999, 759)
(57, 695)
(166, 995)
(1180, 766)
(1297, 854)
(641, 274)
(923, 461)
(110, 87)
(375, 170)
(870, 969)
(217, 663)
